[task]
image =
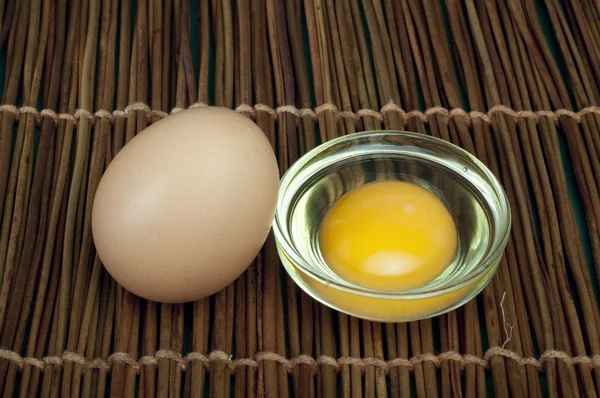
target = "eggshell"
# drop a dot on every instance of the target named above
(186, 205)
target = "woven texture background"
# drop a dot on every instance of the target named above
(515, 83)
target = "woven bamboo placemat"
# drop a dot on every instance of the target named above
(516, 83)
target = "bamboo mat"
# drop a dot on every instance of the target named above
(516, 83)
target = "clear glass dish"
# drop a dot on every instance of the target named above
(469, 190)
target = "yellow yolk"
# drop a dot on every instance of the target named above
(389, 235)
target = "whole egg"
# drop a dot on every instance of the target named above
(186, 205)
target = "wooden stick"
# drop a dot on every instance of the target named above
(132, 347)
(96, 317)
(415, 343)
(46, 381)
(17, 182)
(59, 197)
(177, 346)
(106, 335)
(36, 214)
(269, 326)
(319, 56)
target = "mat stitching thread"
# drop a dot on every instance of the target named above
(252, 111)
(290, 364)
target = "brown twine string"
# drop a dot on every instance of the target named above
(290, 364)
(252, 111)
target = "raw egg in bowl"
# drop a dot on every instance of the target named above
(391, 226)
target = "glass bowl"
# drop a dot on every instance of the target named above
(473, 196)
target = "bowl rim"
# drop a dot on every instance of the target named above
(490, 260)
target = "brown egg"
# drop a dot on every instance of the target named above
(186, 205)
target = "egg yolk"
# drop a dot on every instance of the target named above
(389, 235)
